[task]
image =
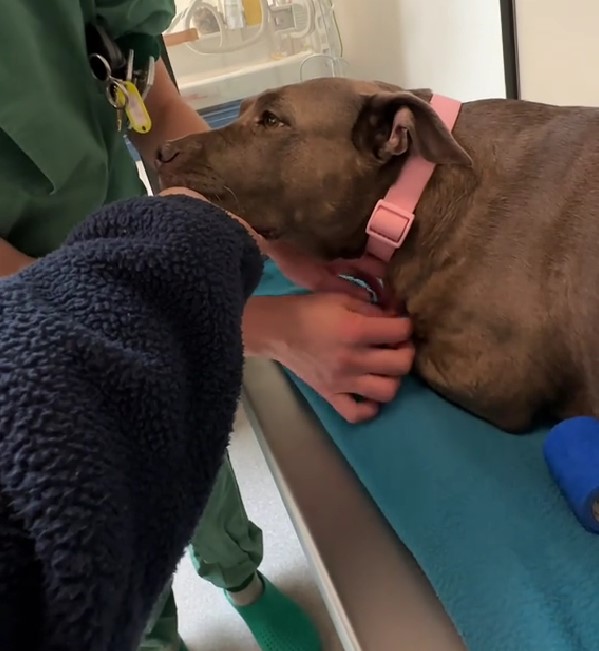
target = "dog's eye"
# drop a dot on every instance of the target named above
(269, 119)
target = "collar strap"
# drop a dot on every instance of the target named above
(393, 216)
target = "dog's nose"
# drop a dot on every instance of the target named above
(167, 153)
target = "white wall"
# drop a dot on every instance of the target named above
(451, 46)
(558, 45)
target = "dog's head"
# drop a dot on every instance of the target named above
(308, 162)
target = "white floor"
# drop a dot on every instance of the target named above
(207, 622)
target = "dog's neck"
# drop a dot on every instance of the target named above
(436, 224)
(393, 216)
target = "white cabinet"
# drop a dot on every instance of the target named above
(452, 46)
(558, 46)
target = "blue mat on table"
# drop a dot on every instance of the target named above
(480, 513)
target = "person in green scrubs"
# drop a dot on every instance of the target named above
(62, 157)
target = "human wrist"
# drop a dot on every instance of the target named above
(264, 329)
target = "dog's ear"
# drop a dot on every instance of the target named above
(390, 123)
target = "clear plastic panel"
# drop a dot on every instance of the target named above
(225, 50)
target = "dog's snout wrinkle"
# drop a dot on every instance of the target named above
(167, 152)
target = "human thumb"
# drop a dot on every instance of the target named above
(366, 308)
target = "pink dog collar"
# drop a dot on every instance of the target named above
(393, 216)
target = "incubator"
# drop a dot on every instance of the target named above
(222, 51)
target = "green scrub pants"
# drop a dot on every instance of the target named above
(226, 549)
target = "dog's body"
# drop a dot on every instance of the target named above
(499, 271)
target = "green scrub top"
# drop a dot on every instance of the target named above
(61, 156)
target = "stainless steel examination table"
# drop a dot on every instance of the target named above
(377, 596)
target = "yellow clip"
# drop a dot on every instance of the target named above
(135, 108)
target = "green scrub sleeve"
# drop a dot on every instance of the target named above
(123, 17)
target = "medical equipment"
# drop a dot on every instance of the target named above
(572, 455)
(225, 50)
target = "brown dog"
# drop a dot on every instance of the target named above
(500, 271)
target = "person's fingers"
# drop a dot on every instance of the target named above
(353, 269)
(373, 283)
(379, 329)
(376, 387)
(367, 264)
(334, 284)
(371, 265)
(182, 190)
(365, 308)
(352, 409)
(389, 302)
(392, 362)
(260, 241)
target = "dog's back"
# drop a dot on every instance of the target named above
(508, 308)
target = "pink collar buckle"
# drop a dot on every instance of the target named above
(387, 229)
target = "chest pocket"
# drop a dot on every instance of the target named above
(52, 109)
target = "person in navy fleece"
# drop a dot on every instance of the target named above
(112, 350)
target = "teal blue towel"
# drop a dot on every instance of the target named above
(479, 511)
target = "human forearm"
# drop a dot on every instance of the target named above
(171, 117)
(11, 260)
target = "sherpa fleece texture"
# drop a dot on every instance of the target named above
(120, 371)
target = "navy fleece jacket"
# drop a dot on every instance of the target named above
(120, 371)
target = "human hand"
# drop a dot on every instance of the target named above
(321, 276)
(11, 260)
(343, 348)
(182, 190)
